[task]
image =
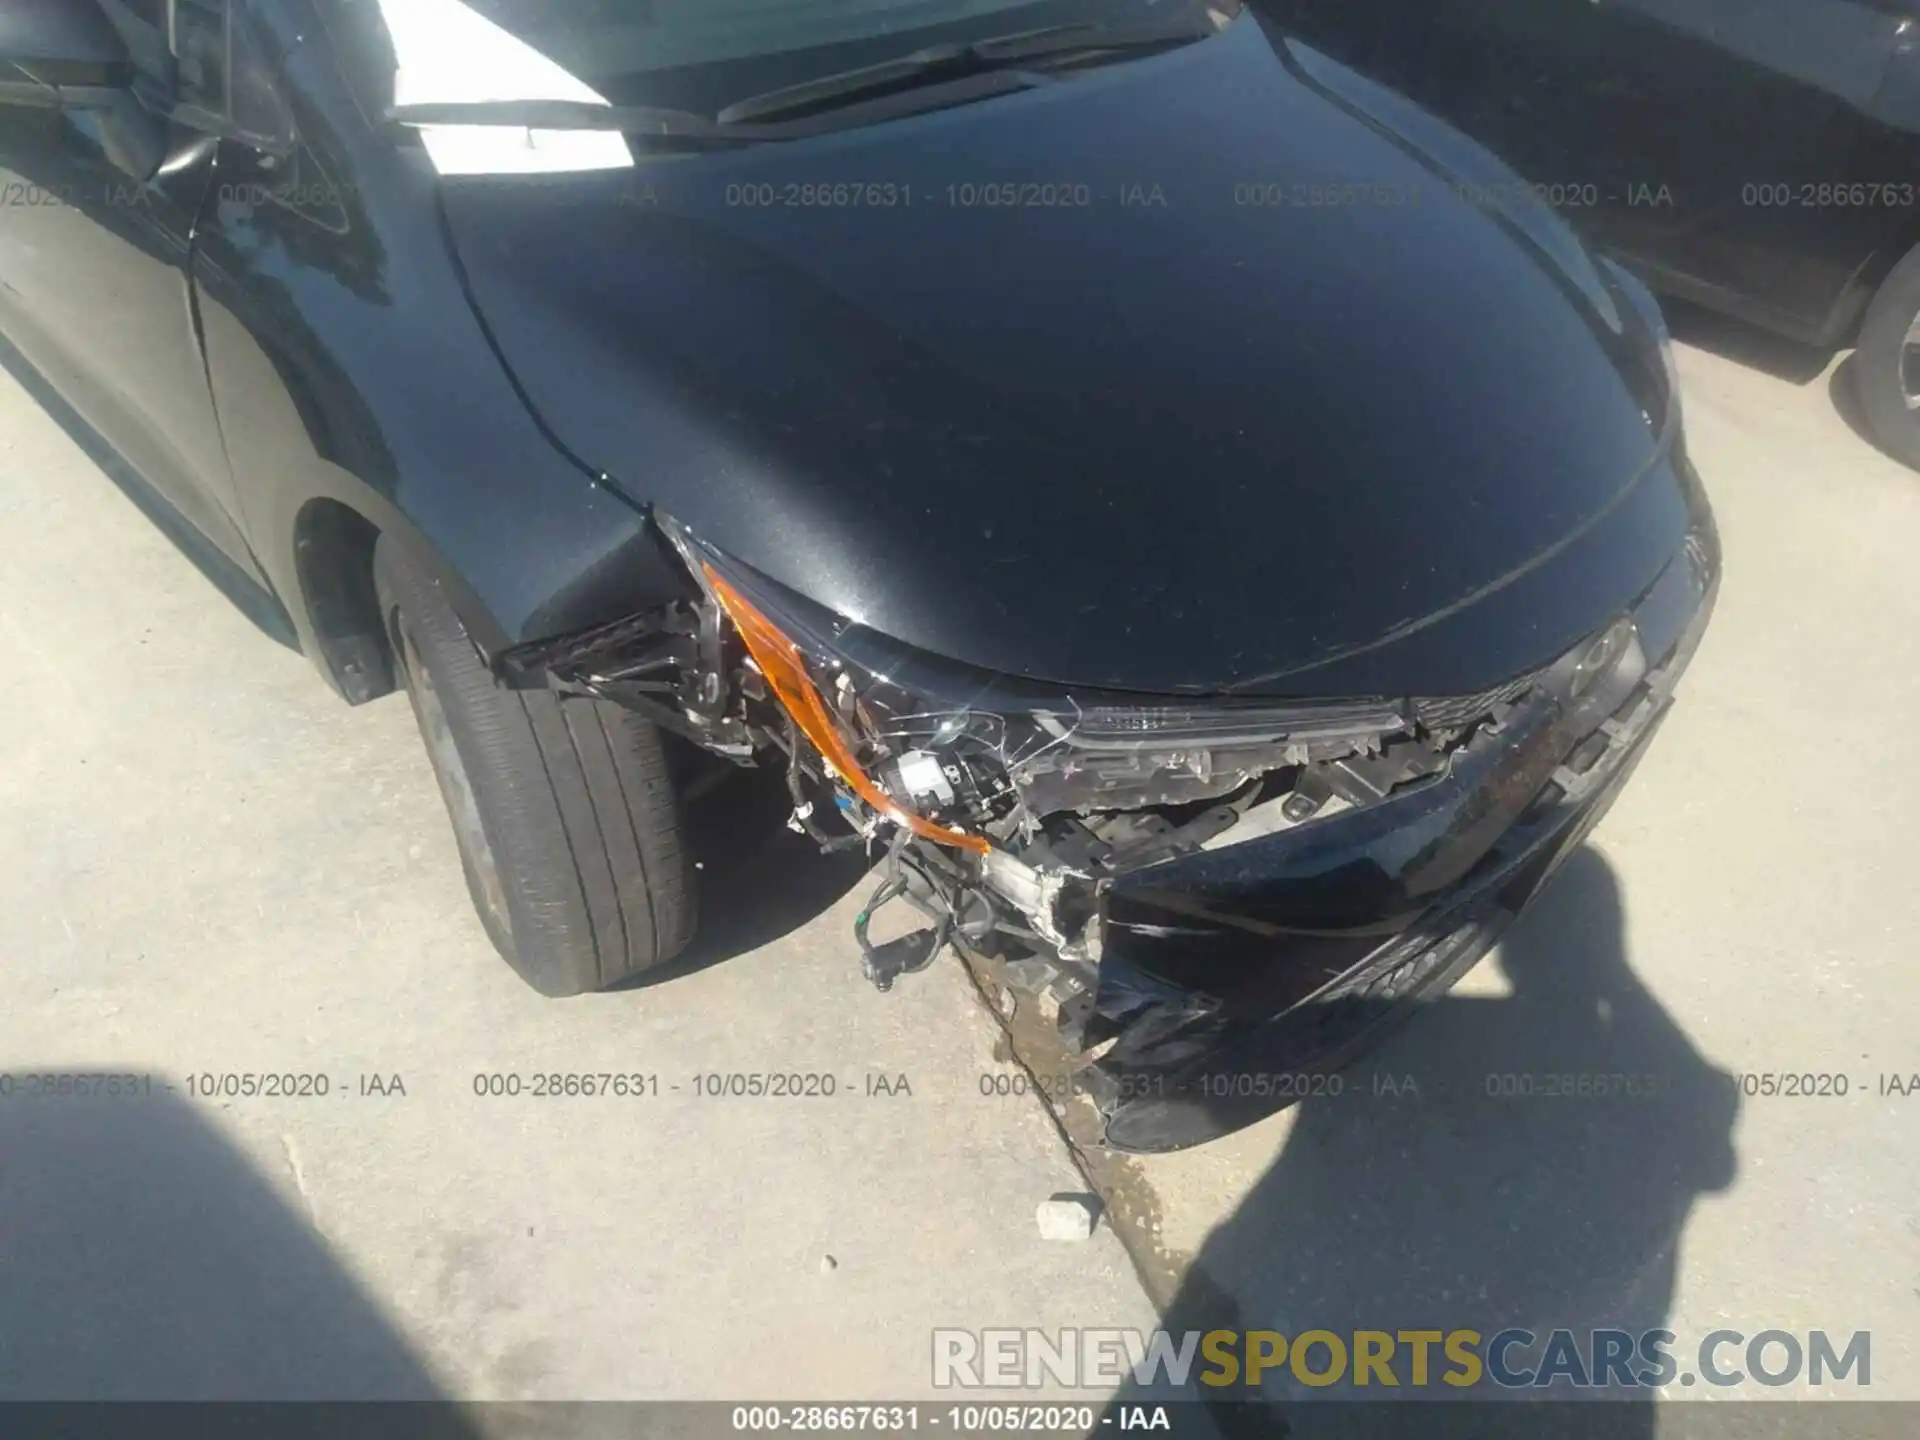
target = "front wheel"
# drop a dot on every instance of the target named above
(1887, 362)
(565, 814)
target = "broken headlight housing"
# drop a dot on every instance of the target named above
(1014, 810)
(974, 760)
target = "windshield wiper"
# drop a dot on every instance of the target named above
(994, 66)
(584, 115)
(939, 63)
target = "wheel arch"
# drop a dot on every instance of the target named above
(333, 558)
(320, 561)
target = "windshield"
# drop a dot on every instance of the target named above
(701, 55)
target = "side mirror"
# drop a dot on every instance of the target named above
(61, 53)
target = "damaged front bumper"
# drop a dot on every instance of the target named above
(1224, 979)
(1212, 899)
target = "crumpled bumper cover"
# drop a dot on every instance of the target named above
(1228, 974)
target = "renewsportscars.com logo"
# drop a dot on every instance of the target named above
(1377, 1360)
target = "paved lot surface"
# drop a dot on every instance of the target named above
(207, 865)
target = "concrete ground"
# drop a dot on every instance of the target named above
(208, 866)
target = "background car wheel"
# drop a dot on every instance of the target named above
(1887, 362)
(566, 817)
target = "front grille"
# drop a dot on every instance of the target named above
(1451, 712)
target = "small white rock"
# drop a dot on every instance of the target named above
(828, 1264)
(1067, 1216)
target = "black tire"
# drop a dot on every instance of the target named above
(1886, 363)
(566, 816)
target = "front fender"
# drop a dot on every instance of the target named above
(350, 371)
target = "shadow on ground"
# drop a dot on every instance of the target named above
(1745, 344)
(1435, 1193)
(1842, 391)
(143, 1258)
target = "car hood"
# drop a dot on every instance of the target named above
(1199, 373)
